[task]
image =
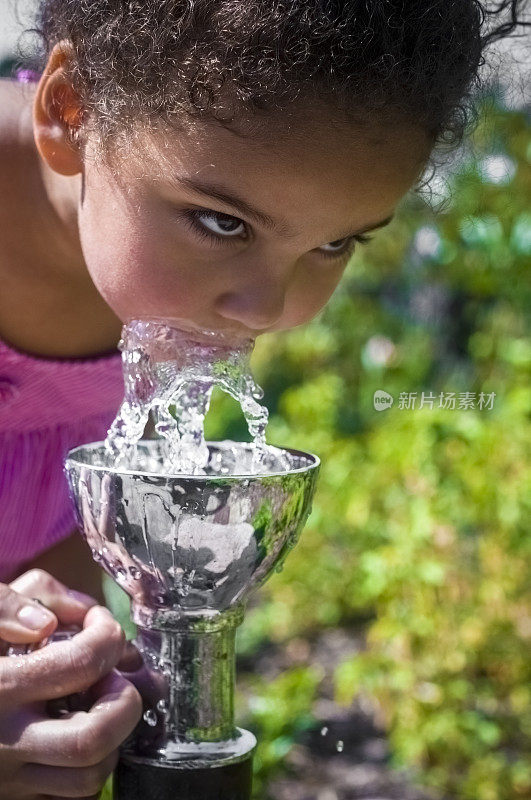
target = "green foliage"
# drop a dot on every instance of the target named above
(421, 517)
(448, 661)
(277, 711)
(118, 602)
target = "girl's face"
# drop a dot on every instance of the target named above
(220, 232)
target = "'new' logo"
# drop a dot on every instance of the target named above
(382, 400)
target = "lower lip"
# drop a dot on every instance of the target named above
(229, 339)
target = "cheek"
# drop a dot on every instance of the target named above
(135, 268)
(309, 293)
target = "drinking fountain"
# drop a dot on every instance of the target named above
(189, 549)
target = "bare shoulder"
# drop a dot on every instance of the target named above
(18, 169)
(18, 190)
(15, 145)
(13, 100)
(11, 97)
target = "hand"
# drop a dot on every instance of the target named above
(71, 756)
(24, 621)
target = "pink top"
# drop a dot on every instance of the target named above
(47, 406)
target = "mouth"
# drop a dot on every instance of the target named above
(229, 338)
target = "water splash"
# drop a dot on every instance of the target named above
(171, 373)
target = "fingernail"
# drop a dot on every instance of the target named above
(34, 617)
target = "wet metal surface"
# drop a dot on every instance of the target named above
(189, 550)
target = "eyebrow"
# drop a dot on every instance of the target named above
(279, 225)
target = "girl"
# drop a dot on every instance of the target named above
(211, 161)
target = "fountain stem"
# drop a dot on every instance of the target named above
(196, 657)
(187, 745)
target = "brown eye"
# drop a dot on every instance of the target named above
(337, 246)
(344, 247)
(218, 224)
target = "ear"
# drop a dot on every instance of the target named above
(57, 114)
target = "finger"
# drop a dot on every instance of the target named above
(131, 659)
(23, 620)
(68, 605)
(84, 739)
(69, 781)
(64, 667)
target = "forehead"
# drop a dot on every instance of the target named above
(308, 168)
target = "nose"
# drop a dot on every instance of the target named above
(257, 306)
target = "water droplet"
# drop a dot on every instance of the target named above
(166, 667)
(121, 574)
(149, 717)
(339, 746)
(176, 573)
(135, 573)
(324, 731)
(162, 708)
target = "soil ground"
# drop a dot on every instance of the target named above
(345, 756)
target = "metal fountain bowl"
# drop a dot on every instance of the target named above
(189, 549)
(190, 545)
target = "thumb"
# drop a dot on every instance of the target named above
(69, 606)
(23, 620)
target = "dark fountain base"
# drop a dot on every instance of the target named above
(137, 780)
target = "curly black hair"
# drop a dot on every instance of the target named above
(228, 60)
